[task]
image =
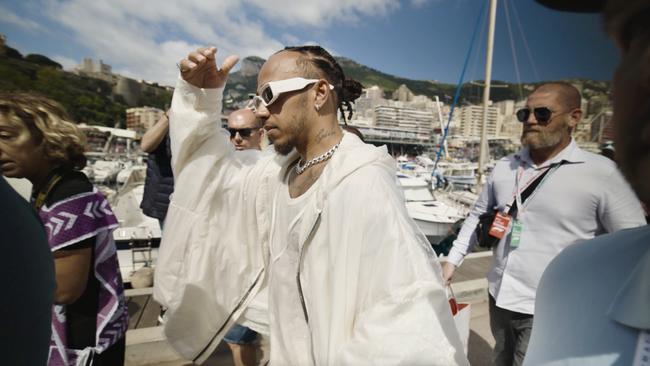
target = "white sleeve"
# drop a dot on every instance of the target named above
(466, 237)
(209, 180)
(619, 207)
(403, 316)
(211, 256)
(196, 140)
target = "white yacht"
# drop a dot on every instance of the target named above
(105, 171)
(434, 217)
(460, 175)
(138, 236)
(421, 166)
(115, 165)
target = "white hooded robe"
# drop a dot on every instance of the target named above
(370, 287)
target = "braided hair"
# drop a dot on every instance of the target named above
(316, 62)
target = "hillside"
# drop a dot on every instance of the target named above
(86, 99)
(96, 101)
(243, 82)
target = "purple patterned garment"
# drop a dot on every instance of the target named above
(68, 222)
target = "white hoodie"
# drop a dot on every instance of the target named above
(371, 287)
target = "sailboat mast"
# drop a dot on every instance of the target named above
(483, 150)
(442, 127)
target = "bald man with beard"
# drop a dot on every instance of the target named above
(549, 195)
(593, 302)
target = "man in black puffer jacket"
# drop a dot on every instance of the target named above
(159, 183)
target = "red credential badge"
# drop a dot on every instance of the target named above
(500, 225)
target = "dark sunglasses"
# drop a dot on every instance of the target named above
(243, 132)
(542, 114)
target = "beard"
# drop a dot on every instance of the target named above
(284, 148)
(292, 135)
(544, 138)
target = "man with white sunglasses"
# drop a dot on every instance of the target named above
(322, 223)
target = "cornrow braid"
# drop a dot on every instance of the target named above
(318, 60)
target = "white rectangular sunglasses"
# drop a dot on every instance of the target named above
(272, 90)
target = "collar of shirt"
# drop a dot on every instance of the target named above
(571, 154)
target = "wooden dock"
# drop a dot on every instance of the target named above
(146, 344)
(143, 309)
(474, 267)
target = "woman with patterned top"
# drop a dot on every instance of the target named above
(89, 318)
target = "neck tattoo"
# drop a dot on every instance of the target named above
(322, 135)
(302, 166)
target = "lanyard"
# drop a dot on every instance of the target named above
(518, 176)
(520, 205)
(42, 194)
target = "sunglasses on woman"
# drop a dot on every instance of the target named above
(243, 132)
(271, 91)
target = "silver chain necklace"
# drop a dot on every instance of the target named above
(301, 167)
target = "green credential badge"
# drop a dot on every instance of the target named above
(515, 234)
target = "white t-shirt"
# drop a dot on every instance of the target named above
(284, 262)
(256, 315)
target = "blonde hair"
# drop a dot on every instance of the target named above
(63, 143)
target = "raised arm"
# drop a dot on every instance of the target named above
(196, 107)
(208, 211)
(154, 136)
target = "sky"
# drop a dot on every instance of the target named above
(416, 39)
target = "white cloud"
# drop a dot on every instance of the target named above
(9, 17)
(419, 3)
(66, 62)
(318, 13)
(145, 39)
(290, 39)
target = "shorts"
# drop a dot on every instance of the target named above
(239, 334)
